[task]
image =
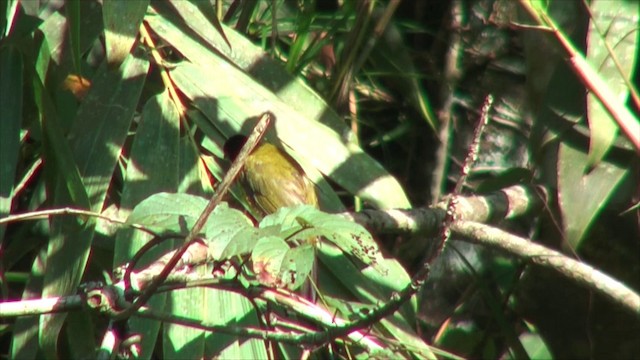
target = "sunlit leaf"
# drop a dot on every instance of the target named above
(277, 264)
(230, 233)
(97, 137)
(168, 212)
(267, 257)
(306, 222)
(121, 21)
(229, 96)
(179, 341)
(149, 172)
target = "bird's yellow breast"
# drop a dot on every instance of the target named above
(273, 180)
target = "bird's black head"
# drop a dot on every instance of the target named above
(233, 146)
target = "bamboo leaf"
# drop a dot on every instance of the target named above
(122, 20)
(97, 138)
(11, 87)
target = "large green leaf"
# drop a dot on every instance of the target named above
(8, 17)
(10, 120)
(97, 138)
(25, 339)
(307, 222)
(613, 42)
(168, 212)
(265, 70)
(122, 20)
(229, 96)
(277, 264)
(229, 308)
(73, 20)
(181, 341)
(153, 167)
(583, 195)
(228, 233)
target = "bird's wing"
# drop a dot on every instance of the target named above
(275, 184)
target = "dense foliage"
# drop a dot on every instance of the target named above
(113, 116)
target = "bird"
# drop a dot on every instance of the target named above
(271, 178)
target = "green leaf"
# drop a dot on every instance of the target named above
(122, 21)
(102, 123)
(297, 264)
(215, 307)
(228, 308)
(154, 160)
(8, 17)
(615, 68)
(97, 138)
(535, 346)
(240, 243)
(266, 258)
(308, 222)
(277, 264)
(184, 342)
(80, 329)
(370, 287)
(11, 88)
(73, 20)
(583, 195)
(57, 150)
(374, 284)
(24, 344)
(190, 174)
(153, 166)
(168, 212)
(229, 96)
(200, 20)
(252, 59)
(230, 233)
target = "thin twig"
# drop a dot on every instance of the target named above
(43, 214)
(453, 201)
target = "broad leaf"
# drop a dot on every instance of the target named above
(277, 264)
(121, 21)
(614, 64)
(583, 195)
(306, 222)
(167, 212)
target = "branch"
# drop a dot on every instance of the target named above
(576, 271)
(506, 204)
(40, 306)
